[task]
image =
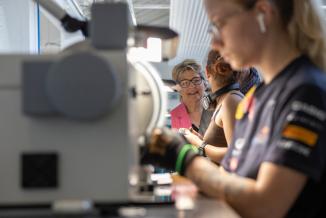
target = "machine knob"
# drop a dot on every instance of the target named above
(83, 86)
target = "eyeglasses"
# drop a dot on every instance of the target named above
(215, 28)
(186, 82)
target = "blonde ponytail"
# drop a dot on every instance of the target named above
(307, 29)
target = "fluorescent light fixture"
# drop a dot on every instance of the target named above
(153, 52)
(154, 47)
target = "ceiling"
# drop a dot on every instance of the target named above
(187, 17)
(154, 12)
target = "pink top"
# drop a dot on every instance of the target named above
(180, 117)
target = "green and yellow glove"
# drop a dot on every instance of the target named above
(169, 150)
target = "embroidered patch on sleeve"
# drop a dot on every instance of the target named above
(240, 111)
(245, 103)
(300, 134)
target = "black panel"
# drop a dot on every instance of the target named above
(39, 170)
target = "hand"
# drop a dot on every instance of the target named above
(191, 136)
(196, 133)
(168, 149)
(184, 131)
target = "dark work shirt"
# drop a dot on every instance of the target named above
(251, 80)
(284, 123)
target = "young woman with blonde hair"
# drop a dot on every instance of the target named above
(276, 163)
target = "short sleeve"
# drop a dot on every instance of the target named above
(298, 137)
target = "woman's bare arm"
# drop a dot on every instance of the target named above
(271, 195)
(227, 115)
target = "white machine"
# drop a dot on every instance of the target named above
(71, 123)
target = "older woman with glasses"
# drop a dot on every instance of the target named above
(191, 86)
(276, 163)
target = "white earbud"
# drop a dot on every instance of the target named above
(261, 22)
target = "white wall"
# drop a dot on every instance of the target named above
(53, 37)
(49, 36)
(18, 26)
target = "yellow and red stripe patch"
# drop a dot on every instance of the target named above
(300, 134)
(244, 105)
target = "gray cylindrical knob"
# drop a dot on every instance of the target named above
(83, 86)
